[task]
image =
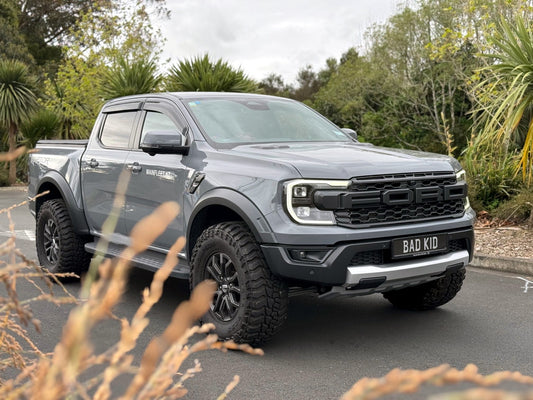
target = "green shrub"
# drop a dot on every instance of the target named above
(3, 176)
(492, 180)
(518, 209)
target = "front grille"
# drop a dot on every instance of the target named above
(457, 245)
(373, 257)
(370, 200)
(390, 214)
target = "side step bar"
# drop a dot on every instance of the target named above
(149, 260)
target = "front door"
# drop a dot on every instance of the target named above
(158, 178)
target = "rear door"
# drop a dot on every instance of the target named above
(158, 178)
(103, 161)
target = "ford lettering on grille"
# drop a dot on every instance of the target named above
(391, 199)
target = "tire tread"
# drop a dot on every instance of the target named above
(428, 295)
(267, 294)
(72, 254)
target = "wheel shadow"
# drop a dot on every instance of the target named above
(368, 322)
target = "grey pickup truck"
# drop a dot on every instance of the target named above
(275, 200)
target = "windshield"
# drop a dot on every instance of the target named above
(236, 121)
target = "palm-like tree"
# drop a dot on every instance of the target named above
(203, 74)
(17, 102)
(44, 124)
(126, 78)
(505, 115)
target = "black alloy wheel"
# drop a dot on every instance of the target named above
(250, 304)
(59, 248)
(227, 298)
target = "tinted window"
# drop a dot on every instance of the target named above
(117, 129)
(241, 120)
(155, 121)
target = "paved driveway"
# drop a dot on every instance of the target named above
(327, 345)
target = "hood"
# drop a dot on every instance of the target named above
(346, 160)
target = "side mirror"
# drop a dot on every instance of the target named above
(350, 132)
(165, 142)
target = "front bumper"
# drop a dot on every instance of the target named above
(366, 266)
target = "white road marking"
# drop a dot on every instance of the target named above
(528, 284)
(23, 234)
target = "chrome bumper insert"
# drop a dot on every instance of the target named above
(397, 275)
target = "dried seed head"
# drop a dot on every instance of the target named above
(150, 227)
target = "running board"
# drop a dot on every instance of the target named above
(149, 260)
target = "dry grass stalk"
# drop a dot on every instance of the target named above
(53, 377)
(483, 394)
(409, 381)
(16, 346)
(13, 154)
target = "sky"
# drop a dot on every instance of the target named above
(270, 36)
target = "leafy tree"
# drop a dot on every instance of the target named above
(428, 100)
(130, 77)
(44, 124)
(17, 102)
(505, 95)
(308, 84)
(74, 96)
(274, 85)
(98, 39)
(409, 88)
(50, 25)
(12, 44)
(325, 74)
(46, 26)
(203, 74)
(356, 96)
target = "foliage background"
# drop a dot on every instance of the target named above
(431, 78)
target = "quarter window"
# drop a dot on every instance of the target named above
(117, 129)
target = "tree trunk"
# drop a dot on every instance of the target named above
(12, 141)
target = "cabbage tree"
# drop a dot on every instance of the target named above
(17, 102)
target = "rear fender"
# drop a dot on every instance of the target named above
(53, 180)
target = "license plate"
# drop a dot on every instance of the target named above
(419, 245)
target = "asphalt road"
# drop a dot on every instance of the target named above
(327, 345)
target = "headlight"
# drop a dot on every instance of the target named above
(461, 177)
(299, 201)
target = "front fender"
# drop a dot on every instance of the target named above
(239, 204)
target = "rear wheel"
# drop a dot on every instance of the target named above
(250, 304)
(59, 248)
(428, 295)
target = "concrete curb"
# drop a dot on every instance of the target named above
(523, 266)
(8, 188)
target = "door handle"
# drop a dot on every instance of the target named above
(135, 168)
(93, 163)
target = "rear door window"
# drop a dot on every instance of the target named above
(117, 129)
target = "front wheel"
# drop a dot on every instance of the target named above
(428, 295)
(59, 248)
(250, 304)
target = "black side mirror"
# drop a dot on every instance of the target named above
(165, 142)
(350, 132)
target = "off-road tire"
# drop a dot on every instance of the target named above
(59, 248)
(263, 298)
(428, 295)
